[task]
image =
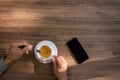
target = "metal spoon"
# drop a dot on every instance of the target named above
(38, 51)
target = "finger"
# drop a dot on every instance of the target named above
(63, 60)
(25, 44)
(59, 61)
(22, 43)
(25, 50)
(54, 63)
(30, 47)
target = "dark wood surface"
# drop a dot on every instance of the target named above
(96, 23)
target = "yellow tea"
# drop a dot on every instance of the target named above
(45, 51)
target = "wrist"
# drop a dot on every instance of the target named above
(63, 78)
(7, 60)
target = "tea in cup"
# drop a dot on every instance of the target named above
(45, 51)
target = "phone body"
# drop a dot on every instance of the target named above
(77, 50)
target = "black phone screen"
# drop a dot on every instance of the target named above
(77, 50)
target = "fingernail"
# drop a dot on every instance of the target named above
(27, 52)
(52, 57)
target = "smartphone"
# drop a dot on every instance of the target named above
(77, 50)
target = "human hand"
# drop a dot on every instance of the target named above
(15, 52)
(60, 67)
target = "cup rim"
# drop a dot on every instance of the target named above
(51, 45)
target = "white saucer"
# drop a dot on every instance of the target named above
(52, 47)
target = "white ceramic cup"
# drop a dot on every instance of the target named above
(52, 47)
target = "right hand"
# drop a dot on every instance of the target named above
(60, 67)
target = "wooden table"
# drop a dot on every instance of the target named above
(96, 23)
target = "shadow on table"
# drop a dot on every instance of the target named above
(44, 71)
(37, 70)
(28, 68)
(95, 69)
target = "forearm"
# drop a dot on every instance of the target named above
(8, 60)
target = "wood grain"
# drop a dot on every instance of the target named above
(96, 23)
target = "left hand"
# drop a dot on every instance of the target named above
(15, 52)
